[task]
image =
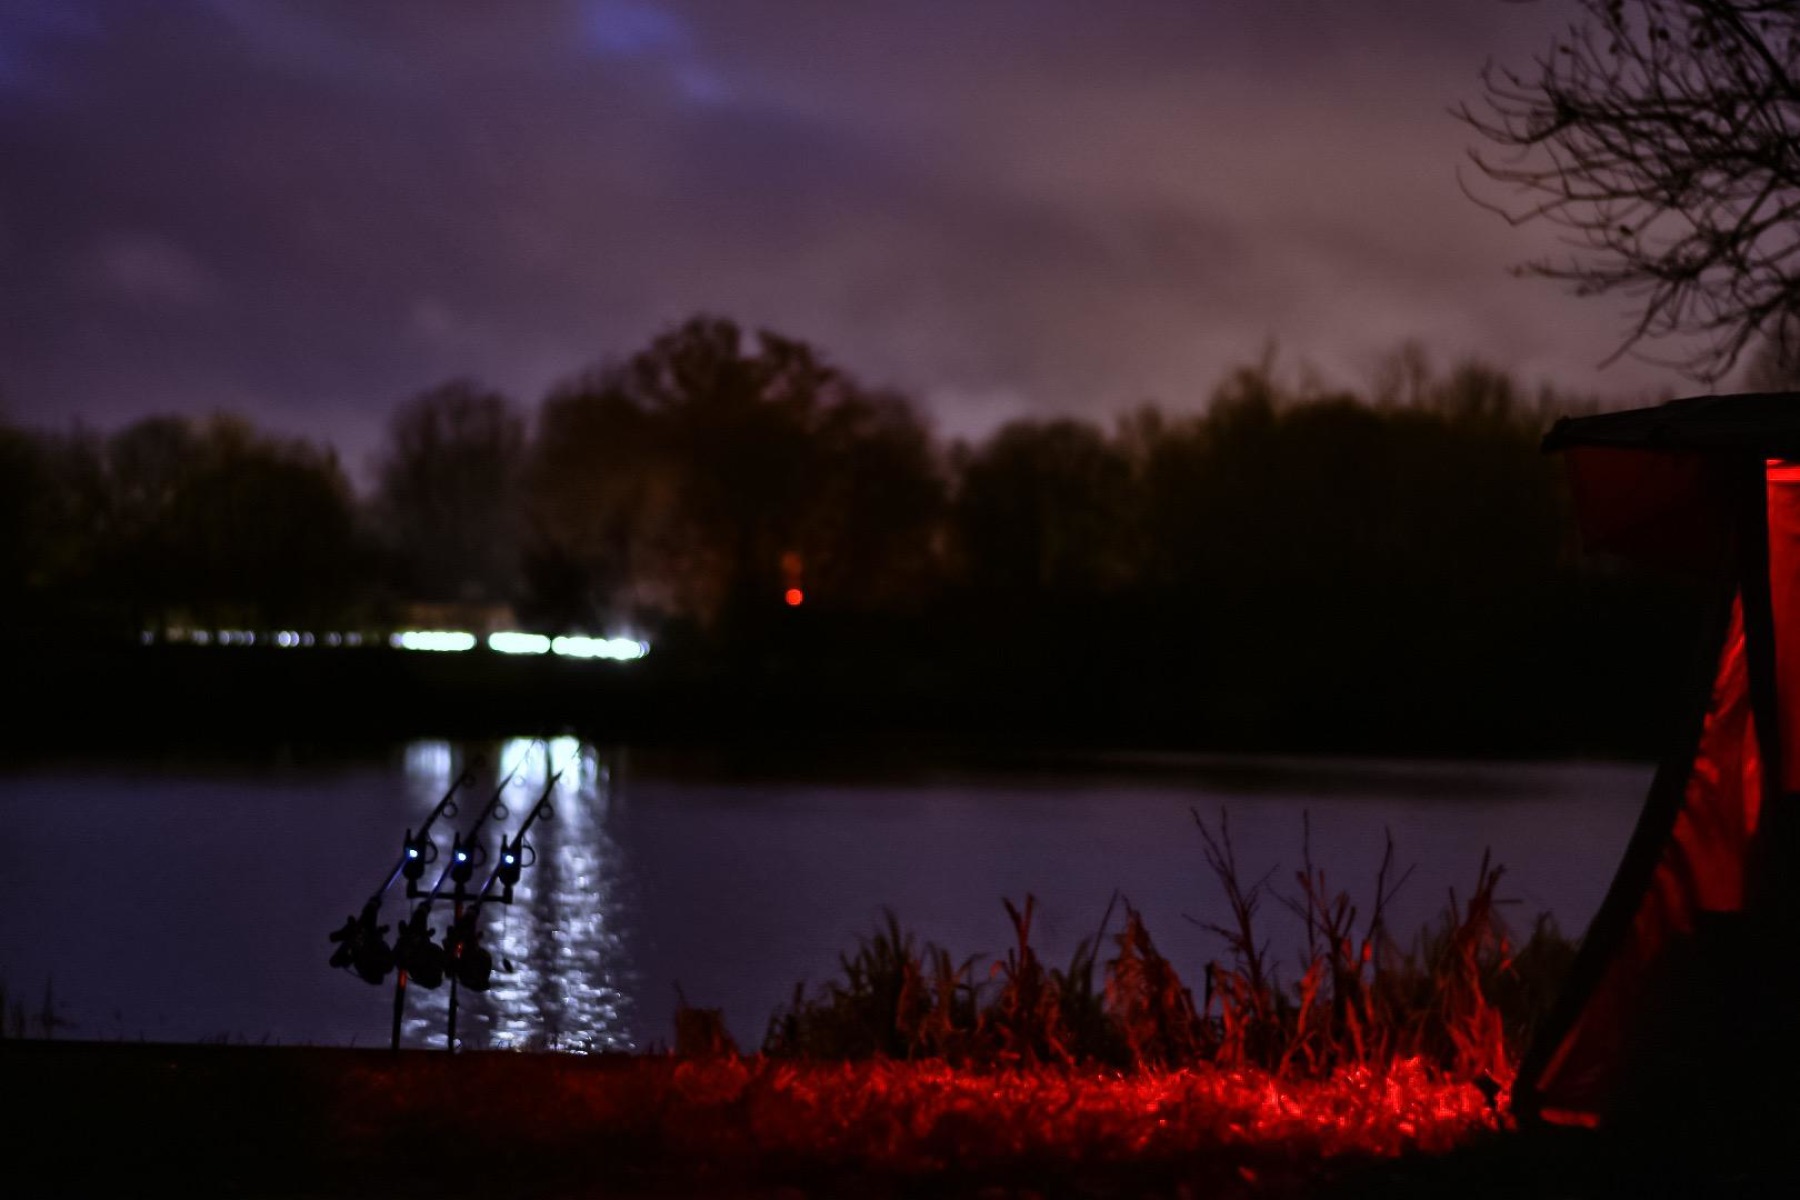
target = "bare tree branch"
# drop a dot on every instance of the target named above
(1663, 138)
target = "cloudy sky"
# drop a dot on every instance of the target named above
(306, 210)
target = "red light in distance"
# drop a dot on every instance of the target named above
(794, 596)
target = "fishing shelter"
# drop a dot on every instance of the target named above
(1683, 997)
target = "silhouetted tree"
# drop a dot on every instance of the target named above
(1664, 137)
(248, 529)
(71, 533)
(19, 485)
(1316, 562)
(172, 520)
(448, 496)
(1045, 512)
(600, 507)
(708, 474)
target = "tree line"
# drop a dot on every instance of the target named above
(1290, 557)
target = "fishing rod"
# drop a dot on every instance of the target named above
(362, 941)
(361, 945)
(417, 849)
(466, 961)
(512, 853)
(418, 957)
(466, 852)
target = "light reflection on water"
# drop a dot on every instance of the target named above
(560, 951)
(430, 766)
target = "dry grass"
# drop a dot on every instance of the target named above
(1461, 1001)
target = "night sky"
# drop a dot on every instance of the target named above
(307, 211)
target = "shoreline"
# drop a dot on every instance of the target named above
(100, 699)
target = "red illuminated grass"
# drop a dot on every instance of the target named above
(1462, 1001)
(757, 1118)
(929, 1116)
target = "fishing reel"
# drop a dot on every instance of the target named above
(469, 962)
(362, 946)
(415, 953)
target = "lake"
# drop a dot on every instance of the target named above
(194, 902)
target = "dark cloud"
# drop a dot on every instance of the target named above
(306, 211)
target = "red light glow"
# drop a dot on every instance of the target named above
(917, 1118)
(794, 597)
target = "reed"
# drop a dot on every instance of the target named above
(1462, 999)
(20, 1018)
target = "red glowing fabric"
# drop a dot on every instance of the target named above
(1701, 870)
(1784, 600)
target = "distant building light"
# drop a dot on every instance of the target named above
(433, 639)
(621, 649)
(512, 642)
(794, 597)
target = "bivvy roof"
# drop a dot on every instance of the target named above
(1767, 423)
(1684, 996)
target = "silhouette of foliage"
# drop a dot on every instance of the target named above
(447, 500)
(172, 520)
(710, 473)
(1290, 566)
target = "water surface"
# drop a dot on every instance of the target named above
(186, 903)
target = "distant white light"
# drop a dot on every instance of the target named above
(622, 649)
(201, 637)
(146, 637)
(353, 639)
(334, 639)
(511, 642)
(576, 647)
(433, 639)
